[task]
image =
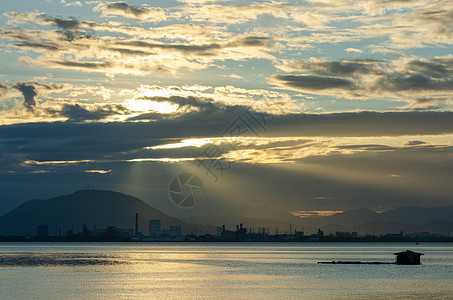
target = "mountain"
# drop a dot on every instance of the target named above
(90, 207)
(409, 219)
(418, 215)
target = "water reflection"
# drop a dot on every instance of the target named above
(220, 271)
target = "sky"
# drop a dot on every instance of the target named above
(309, 107)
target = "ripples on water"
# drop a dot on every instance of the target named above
(221, 271)
(57, 259)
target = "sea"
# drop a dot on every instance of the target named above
(222, 271)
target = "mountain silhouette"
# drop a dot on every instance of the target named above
(90, 207)
(409, 219)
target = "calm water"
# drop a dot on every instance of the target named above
(221, 271)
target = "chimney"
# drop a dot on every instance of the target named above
(136, 223)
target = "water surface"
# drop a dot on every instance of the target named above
(221, 271)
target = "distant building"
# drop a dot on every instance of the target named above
(219, 231)
(342, 234)
(112, 231)
(154, 228)
(408, 258)
(175, 231)
(320, 233)
(42, 231)
(299, 234)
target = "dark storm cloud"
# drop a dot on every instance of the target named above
(29, 92)
(106, 145)
(364, 124)
(314, 82)
(75, 141)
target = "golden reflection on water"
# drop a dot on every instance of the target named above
(223, 271)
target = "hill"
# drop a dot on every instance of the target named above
(90, 207)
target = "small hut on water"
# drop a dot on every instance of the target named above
(408, 257)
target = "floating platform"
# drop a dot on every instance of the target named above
(355, 263)
(407, 257)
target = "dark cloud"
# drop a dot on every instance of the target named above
(411, 83)
(314, 82)
(346, 67)
(430, 80)
(63, 23)
(435, 67)
(204, 49)
(80, 113)
(252, 41)
(126, 8)
(106, 145)
(34, 46)
(180, 47)
(415, 143)
(364, 124)
(83, 65)
(3, 89)
(29, 92)
(129, 11)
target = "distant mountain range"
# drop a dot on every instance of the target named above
(90, 207)
(107, 208)
(409, 219)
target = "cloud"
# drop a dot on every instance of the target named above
(16, 18)
(331, 153)
(340, 68)
(84, 113)
(313, 82)
(260, 99)
(353, 50)
(29, 92)
(415, 143)
(430, 103)
(75, 3)
(76, 49)
(3, 90)
(155, 14)
(62, 23)
(423, 83)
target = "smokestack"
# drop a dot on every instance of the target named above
(223, 227)
(237, 227)
(240, 225)
(136, 223)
